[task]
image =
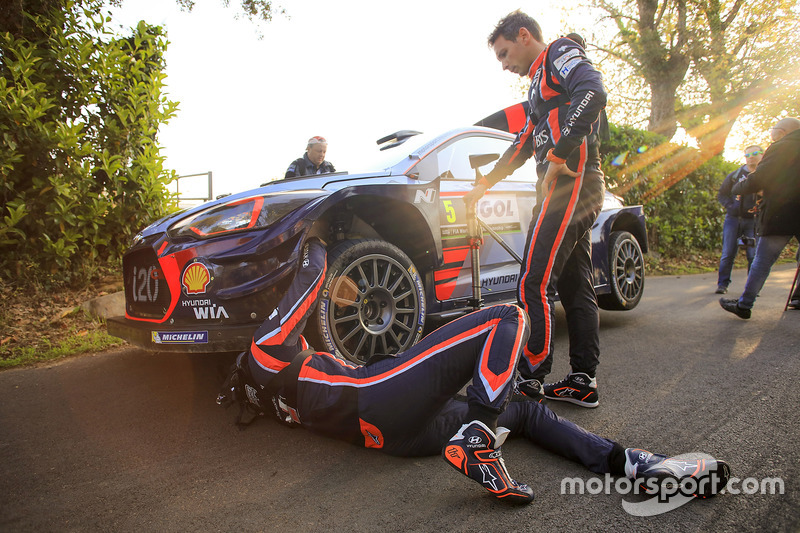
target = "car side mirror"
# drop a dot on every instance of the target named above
(478, 160)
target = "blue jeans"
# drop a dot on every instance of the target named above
(768, 250)
(732, 229)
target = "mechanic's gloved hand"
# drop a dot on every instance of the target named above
(477, 192)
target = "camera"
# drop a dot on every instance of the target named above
(747, 242)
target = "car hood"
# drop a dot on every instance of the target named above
(323, 184)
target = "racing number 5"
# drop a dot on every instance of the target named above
(449, 210)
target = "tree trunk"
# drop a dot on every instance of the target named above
(662, 109)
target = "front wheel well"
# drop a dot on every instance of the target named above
(632, 224)
(377, 217)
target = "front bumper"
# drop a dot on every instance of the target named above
(160, 338)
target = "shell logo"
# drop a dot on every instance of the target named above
(196, 278)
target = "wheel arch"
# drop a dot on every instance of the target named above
(633, 223)
(381, 217)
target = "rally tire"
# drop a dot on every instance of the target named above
(625, 273)
(372, 301)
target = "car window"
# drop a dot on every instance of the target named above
(455, 156)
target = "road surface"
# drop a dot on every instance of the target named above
(129, 441)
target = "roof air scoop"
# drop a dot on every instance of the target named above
(396, 139)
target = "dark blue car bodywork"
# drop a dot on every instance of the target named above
(204, 279)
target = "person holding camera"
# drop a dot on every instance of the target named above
(778, 177)
(739, 218)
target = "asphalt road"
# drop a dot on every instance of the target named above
(130, 441)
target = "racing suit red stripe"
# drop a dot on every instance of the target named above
(296, 315)
(341, 376)
(551, 244)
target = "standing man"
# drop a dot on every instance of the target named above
(313, 161)
(739, 218)
(778, 177)
(566, 98)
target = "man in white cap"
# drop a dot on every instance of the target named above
(313, 161)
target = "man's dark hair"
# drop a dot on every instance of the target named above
(510, 25)
(578, 39)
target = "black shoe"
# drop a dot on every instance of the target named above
(653, 471)
(577, 388)
(732, 306)
(532, 388)
(794, 304)
(721, 290)
(475, 452)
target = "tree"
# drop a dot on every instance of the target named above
(747, 58)
(80, 109)
(13, 19)
(739, 57)
(653, 43)
(254, 9)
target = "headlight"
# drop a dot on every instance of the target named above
(242, 215)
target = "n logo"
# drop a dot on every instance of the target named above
(426, 196)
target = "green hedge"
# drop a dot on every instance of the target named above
(677, 185)
(80, 110)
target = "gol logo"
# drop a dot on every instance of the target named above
(196, 278)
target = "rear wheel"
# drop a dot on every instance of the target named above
(625, 272)
(372, 301)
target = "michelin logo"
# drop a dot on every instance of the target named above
(179, 337)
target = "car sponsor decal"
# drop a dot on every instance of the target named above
(421, 291)
(428, 196)
(323, 322)
(206, 309)
(196, 278)
(179, 337)
(501, 282)
(499, 211)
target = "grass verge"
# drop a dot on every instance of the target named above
(73, 343)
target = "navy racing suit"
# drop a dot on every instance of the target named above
(405, 404)
(566, 98)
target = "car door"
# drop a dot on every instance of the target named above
(506, 209)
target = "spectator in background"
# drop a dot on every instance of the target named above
(794, 301)
(739, 218)
(778, 177)
(313, 161)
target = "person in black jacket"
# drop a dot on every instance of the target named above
(313, 161)
(778, 178)
(407, 404)
(566, 98)
(739, 218)
(794, 299)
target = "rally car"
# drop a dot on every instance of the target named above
(204, 279)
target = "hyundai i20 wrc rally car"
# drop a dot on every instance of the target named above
(204, 279)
